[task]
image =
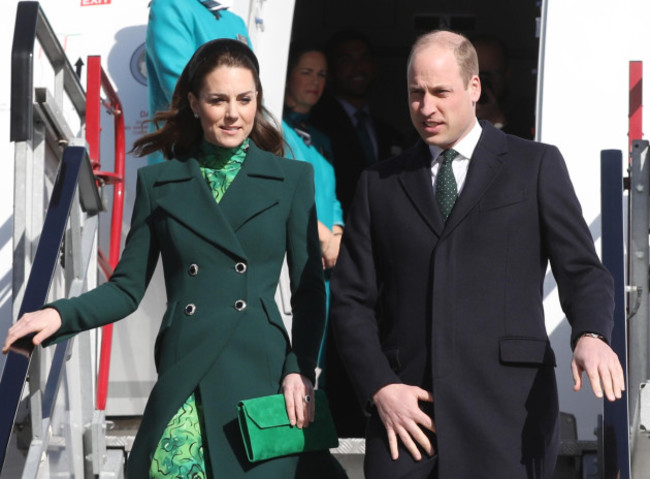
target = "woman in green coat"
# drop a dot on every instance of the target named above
(222, 212)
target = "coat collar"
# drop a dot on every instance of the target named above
(415, 179)
(181, 191)
(485, 164)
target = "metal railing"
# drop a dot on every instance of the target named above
(638, 316)
(615, 452)
(62, 433)
(74, 169)
(34, 25)
(97, 80)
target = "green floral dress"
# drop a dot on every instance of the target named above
(181, 450)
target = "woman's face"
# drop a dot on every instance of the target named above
(306, 82)
(226, 105)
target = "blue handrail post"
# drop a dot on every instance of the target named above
(616, 450)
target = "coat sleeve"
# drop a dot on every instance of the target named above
(306, 277)
(355, 292)
(121, 295)
(585, 286)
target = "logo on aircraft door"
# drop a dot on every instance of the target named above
(89, 3)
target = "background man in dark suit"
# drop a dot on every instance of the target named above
(437, 304)
(359, 138)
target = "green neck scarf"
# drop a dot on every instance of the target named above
(219, 166)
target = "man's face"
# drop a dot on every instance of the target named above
(442, 109)
(353, 69)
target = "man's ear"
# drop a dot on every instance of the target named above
(474, 87)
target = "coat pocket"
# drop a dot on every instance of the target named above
(502, 200)
(526, 351)
(273, 315)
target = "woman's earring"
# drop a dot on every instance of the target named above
(196, 115)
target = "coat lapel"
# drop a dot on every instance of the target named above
(182, 192)
(415, 179)
(484, 167)
(254, 190)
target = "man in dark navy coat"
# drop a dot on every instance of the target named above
(437, 294)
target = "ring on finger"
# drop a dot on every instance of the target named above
(307, 398)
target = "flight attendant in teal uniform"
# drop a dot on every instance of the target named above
(306, 75)
(222, 212)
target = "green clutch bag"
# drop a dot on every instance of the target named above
(266, 432)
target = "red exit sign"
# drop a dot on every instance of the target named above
(88, 3)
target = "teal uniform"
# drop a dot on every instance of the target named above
(318, 139)
(328, 208)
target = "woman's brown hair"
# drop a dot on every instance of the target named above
(178, 131)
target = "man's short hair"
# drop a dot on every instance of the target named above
(462, 48)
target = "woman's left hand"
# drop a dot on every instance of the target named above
(299, 399)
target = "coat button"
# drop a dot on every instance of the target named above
(240, 305)
(190, 309)
(241, 268)
(193, 270)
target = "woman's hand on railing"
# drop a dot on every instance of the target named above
(42, 323)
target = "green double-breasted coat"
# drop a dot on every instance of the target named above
(222, 332)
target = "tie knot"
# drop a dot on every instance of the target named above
(448, 156)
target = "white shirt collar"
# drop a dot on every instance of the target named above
(465, 146)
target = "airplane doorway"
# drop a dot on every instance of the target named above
(393, 25)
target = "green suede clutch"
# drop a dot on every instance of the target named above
(266, 431)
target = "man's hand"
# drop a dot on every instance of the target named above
(400, 412)
(596, 358)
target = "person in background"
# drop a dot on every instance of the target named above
(497, 104)
(222, 212)
(359, 137)
(176, 28)
(437, 297)
(306, 75)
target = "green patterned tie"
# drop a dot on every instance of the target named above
(446, 188)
